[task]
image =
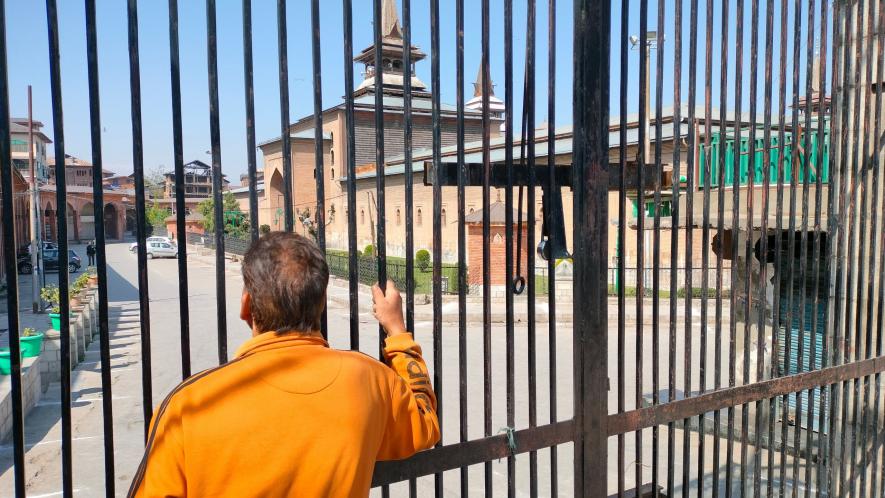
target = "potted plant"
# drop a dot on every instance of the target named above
(31, 342)
(92, 276)
(77, 289)
(50, 295)
(5, 361)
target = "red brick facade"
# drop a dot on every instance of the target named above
(497, 250)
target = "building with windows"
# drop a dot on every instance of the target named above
(20, 137)
(197, 181)
(78, 172)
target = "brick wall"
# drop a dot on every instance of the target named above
(498, 254)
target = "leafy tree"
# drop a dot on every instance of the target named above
(155, 217)
(155, 182)
(422, 259)
(230, 206)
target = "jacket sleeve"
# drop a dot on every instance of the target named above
(161, 473)
(413, 425)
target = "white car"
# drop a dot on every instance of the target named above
(161, 250)
(166, 240)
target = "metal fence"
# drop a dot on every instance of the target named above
(710, 401)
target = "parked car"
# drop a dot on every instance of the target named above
(165, 240)
(26, 249)
(50, 262)
(159, 249)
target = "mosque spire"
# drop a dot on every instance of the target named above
(390, 27)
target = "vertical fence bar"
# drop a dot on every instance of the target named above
(381, 243)
(437, 228)
(350, 159)
(529, 101)
(640, 222)
(141, 248)
(9, 260)
(674, 253)
(283, 65)
(751, 194)
(486, 252)
(217, 183)
(554, 189)
(409, 180)
(107, 405)
(622, 239)
(735, 225)
(180, 209)
(705, 233)
(656, 250)
(62, 232)
(690, 190)
(763, 243)
(877, 225)
(462, 235)
(248, 81)
(592, 31)
(318, 140)
(508, 236)
(720, 234)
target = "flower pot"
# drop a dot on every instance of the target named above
(55, 320)
(5, 362)
(31, 345)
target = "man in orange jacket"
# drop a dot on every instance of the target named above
(289, 416)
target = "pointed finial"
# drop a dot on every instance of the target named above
(477, 85)
(390, 20)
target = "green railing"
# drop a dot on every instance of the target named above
(765, 157)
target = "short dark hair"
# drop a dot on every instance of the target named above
(286, 276)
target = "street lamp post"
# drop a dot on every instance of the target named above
(35, 233)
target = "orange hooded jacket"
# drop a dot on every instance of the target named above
(289, 417)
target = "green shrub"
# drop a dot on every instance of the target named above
(264, 229)
(50, 295)
(422, 259)
(369, 251)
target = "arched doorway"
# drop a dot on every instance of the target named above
(275, 200)
(111, 222)
(73, 226)
(87, 221)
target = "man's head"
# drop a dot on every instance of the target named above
(284, 284)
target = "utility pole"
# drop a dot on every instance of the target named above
(35, 268)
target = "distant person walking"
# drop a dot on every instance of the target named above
(90, 251)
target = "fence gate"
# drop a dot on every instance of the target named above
(564, 364)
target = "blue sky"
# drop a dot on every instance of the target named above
(27, 51)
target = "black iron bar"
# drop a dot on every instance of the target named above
(735, 225)
(851, 330)
(751, 194)
(180, 209)
(141, 235)
(462, 237)
(9, 256)
(350, 161)
(690, 190)
(720, 233)
(656, 250)
(486, 250)
(551, 262)
(705, 232)
(592, 72)
(622, 242)
(437, 233)
(867, 166)
(642, 159)
(409, 180)
(508, 236)
(763, 244)
(217, 179)
(674, 244)
(462, 244)
(248, 84)
(877, 224)
(107, 406)
(838, 201)
(791, 241)
(778, 251)
(283, 65)
(318, 140)
(531, 329)
(674, 250)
